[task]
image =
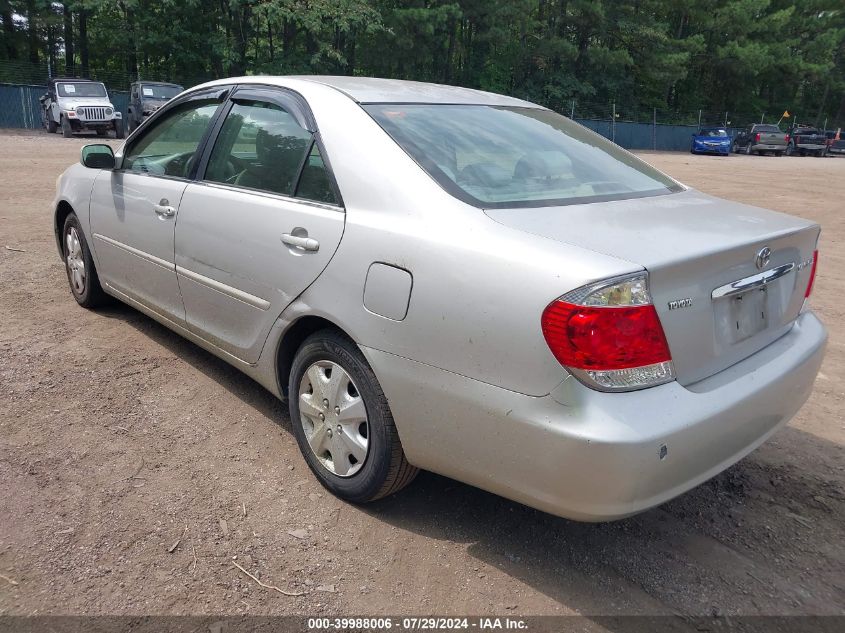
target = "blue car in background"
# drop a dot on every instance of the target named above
(711, 140)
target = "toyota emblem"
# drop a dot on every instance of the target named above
(763, 256)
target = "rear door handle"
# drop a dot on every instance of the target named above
(163, 209)
(305, 243)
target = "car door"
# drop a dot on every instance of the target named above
(260, 223)
(134, 207)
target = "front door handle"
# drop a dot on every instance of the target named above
(163, 209)
(305, 243)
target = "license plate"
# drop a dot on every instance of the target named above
(748, 314)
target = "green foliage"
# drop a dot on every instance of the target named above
(681, 56)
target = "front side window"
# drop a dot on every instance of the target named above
(81, 89)
(260, 146)
(500, 157)
(168, 147)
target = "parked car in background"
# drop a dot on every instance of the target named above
(711, 140)
(145, 97)
(805, 140)
(835, 142)
(445, 279)
(760, 138)
(79, 105)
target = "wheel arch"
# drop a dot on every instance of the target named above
(291, 341)
(63, 209)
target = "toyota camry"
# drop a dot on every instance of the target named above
(445, 279)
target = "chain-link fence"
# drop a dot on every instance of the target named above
(22, 83)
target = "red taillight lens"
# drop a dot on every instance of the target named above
(757, 138)
(812, 274)
(604, 338)
(786, 138)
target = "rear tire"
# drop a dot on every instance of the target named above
(329, 367)
(748, 150)
(81, 272)
(67, 130)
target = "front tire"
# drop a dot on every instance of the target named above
(51, 124)
(81, 272)
(748, 151)
(342, 421)
(118, 128)
(67, 130)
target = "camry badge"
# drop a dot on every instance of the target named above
(762, 258)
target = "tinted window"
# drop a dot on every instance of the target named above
(158, 92)
(81, 89)
(314, 183)
(766, 128)
(260, 146)
(498, 157)
(169, 145)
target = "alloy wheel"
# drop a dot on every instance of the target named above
(334, 418)
(75, 260)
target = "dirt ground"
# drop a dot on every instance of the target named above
(135, 468)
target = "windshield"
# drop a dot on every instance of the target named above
(713, 131)
(499, 157)
(159, 92)
(81, 89)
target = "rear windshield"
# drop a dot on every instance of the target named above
(766, 128)
(500, 157)
(713, 131)
(82, 89)
(159, 92)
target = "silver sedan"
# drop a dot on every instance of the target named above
(445, 279)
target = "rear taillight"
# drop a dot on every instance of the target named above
(609, 335)
(757, 138)
(812, 274)
(786, 138)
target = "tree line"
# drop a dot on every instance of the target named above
(747, 56)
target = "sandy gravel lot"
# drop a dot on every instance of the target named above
(118, 439)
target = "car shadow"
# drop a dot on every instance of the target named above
(763, 537)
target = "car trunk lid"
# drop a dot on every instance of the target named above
(772, 138)
(692, 245)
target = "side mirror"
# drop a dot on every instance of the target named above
(98, 156)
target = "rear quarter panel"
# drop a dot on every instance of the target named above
(479, 288)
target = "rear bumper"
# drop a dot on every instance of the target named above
(768, 147)
(594, 456)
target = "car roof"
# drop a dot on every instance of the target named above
(374, 90)
(157, 83)
(76, 80)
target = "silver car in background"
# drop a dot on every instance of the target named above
(445, 279)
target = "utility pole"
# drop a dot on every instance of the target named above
(699, 119)
(572, 110)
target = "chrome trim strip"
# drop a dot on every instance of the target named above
(754, 281)
(269, 194)
(134, 251)
(229, 291)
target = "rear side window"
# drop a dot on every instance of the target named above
(314, 183)
(500, 157)
(260, 146)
